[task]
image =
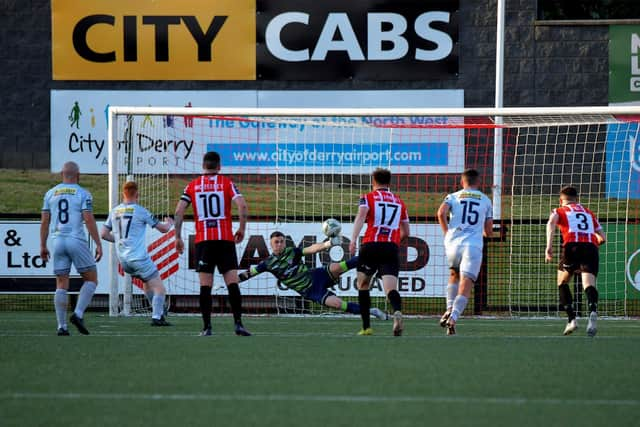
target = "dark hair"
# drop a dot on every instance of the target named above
(382, 176)
(211, 160)
(471, 176)
(570, 192)
(276, 234)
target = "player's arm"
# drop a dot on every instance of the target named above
(602, 238)
(404, 230)
(45, 219)
(243, 216)
(443, 214)
(164, 226)
(178, 219)
(551, 230)
(488, 227)
(106, 234)
(90, 221)
(251, 272)
(319, 247)
(357, 226)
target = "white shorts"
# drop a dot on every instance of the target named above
(465, 259)
(70, 250)
(143, 269)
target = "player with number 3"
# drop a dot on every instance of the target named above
(581, 236)
(464, 216)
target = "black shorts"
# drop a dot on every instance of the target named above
(381, 257)
(579, 257)
(216, 253)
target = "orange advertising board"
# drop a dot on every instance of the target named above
(153, 40)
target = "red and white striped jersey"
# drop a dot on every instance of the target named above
(577, 224)
(211, 196)
(386, 212)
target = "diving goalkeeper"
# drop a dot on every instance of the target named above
(287, 265)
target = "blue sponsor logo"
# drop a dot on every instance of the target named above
(623, 161)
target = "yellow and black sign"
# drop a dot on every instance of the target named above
(154, 40)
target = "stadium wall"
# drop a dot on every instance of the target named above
(545, 66)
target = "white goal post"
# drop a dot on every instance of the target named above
(297, 167)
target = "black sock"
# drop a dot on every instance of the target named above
(205, 305)
(364, 298)
(566, 301)
(235, 301)
(395, 300)
(592, 298)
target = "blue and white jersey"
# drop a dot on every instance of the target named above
(128, 223)
(65, 203)
(468, 211)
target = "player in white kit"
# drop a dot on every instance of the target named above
(66, 209)
(126, 226)
(464, 216)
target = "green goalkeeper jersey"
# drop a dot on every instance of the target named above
(288, 267)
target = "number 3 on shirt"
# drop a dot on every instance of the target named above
(210, 205)
(580, 222)
(387, 215)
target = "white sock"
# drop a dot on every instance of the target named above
(149, 294)
(157, 306)
(84, 298)
(459, 305)
(60, 302)
(452, 291)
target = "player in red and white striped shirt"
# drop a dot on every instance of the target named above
(211, 195)
(387, 224)
(581, 236)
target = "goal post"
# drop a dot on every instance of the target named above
(297, 167)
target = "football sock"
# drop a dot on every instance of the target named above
(566, 301)
(364, 298)
(60, 302)
(205, 305)
(235, 300)
(459, 304)
(157, 306)
(149, 294)
(395, 300)
(452, 292)
(592, 298)
(84, 298)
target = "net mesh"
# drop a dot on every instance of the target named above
(295, 172)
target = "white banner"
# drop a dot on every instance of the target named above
(79, 132)
(20, 258)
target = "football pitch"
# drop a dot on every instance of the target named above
(317, 372)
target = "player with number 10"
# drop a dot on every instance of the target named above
(211, 195)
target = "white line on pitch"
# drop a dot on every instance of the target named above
(321, 398)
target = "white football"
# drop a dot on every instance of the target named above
(331, 227)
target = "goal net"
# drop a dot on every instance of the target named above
(297, 168)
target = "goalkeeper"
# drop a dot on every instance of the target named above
(287, 265)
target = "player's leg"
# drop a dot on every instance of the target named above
(470, 262)
(452, 292)
(566, 300)
(84, 262)
(366, 267)
(338, 268)
(589, 286)
(155, 286)
(227, 261)
(390, 285)
(61, 268)
(205, 268)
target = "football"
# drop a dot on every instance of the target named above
(331, 227)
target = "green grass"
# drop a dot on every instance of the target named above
(316, 372)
